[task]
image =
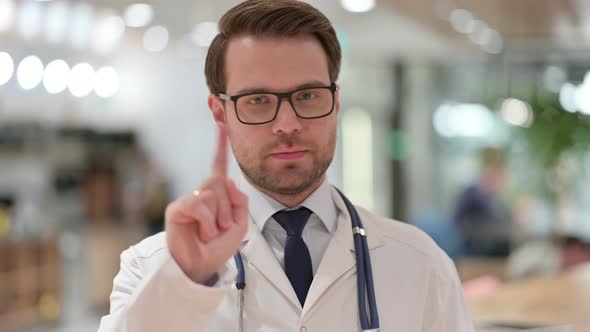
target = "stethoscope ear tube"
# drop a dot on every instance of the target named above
(361, 282)
(371, 293)
(364, 270)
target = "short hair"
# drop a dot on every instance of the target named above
(272, 18)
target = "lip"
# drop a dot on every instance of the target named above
(289, 154)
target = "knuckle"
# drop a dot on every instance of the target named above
(207, 197)
(207, 217)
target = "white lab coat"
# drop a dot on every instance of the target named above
(417, 287)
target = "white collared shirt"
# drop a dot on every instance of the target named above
(317, 232)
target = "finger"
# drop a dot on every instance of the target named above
(201, 211)
(220, 161)
(206, 222)
(224, 208)
(239, 202)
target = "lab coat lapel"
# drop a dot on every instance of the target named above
(257, 253)
(339, 257)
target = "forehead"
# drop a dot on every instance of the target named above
(274, 63)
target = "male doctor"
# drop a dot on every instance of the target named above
(271, 72)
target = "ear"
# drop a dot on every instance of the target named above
(337, 99)
(217, 109)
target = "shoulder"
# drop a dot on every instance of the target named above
(410, 241)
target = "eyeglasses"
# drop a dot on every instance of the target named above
(263, 107)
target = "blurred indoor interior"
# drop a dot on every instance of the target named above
(467, 118)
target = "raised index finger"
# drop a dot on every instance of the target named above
(220, 161)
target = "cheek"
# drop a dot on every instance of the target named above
(246, 141)
(324, 131)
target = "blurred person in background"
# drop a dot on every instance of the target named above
(272, 73)
(483, 219)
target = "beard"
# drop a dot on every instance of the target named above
(291, 178)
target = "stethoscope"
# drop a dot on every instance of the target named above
(363, 267)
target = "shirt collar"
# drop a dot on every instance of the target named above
(262, 207)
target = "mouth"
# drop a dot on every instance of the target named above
(289, 154)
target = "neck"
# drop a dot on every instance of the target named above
(290, 201)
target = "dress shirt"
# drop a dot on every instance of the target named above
(317, 232)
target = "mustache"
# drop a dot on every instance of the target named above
(286, 141)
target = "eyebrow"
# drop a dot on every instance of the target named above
(258, 89)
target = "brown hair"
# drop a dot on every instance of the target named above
(274, 18)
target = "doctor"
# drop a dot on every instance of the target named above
(271, 72)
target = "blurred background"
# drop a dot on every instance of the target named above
(469, 119)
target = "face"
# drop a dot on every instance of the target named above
(288, 155)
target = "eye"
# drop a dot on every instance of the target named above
(257, 100)
(307, 95)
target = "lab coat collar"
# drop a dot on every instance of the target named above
(374, 237)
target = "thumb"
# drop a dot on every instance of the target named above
(238, 200)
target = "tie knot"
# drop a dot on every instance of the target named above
(293, 221)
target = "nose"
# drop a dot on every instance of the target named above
(286, 121)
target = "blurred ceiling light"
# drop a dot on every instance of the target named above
(29, 72)
(204, 33)
(109, 31)
(582, 96)
(481, 34)
(56, 22)
(6, 67)
(567, 97)
(106, 82)
(473, 120)
(29, 19)
(516, 112)
(81, 80)
(55, 77)
(358, 6)
(441, 120)
(6, 14)
(495, 44)
(82, 22)
(467, 120)
(155, 39)
(553, 78)
(139, 15)
(462, 20)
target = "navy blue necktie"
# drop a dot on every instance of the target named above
(297, 259)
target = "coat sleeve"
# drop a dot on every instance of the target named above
(445, 309)
(164, 299)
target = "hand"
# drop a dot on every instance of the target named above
(204, 229)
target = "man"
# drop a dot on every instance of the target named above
(484, 220)
(271, 73)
